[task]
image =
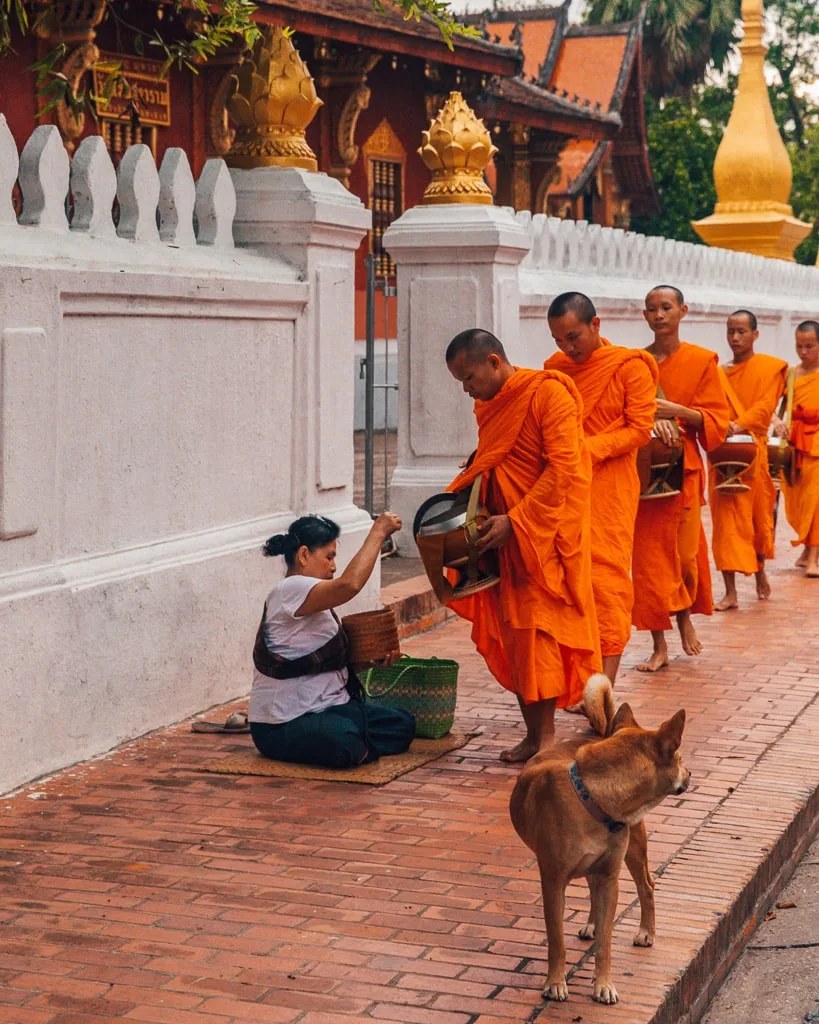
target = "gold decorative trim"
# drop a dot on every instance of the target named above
(273, 103)
(457, 148)
(221, 131)
(384, 144)
(357, 101)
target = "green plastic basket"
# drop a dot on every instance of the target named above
(425, 687)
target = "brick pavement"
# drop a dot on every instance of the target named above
(134, 888)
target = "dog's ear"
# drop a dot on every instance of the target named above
(624, 719)
(669, 735)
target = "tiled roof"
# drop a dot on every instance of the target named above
(534, 36)
(355, 21)
(594, 62)
(579, 159)
(562, 113)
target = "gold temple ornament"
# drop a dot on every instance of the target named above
(752, 170)
(272, 103)
(457, 148)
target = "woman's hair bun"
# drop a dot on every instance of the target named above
(281, 544)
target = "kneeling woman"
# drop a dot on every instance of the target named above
(304, 705)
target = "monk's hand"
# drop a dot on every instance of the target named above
(666, 410)
(494, 533)
(734, 429)
(780, 428)
(665, 431)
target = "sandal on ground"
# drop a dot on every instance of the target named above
(235, 723)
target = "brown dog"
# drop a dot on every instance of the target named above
(579, 806)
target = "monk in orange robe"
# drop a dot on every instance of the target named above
(670, 569)
(619, 391)
(743, 523)
(536, 629)
(801, 427)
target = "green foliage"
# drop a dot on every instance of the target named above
(794, 54)
(682, 39)
(805, 192)
(11, 12)
(682, 144)
(438, 11)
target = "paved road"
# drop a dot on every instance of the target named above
(776, 980)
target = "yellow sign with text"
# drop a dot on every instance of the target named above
(138, 88)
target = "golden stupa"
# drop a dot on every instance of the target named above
(456, 148)
(752, 171)
(273, 102)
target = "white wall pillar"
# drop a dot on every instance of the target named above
(316, 225)
(457, 268)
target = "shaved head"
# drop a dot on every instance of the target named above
(573, 302)
(749, 316)
(476, 345)
(669, 288)
(810, 325)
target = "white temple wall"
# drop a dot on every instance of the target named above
(161, 414)
(616, 268)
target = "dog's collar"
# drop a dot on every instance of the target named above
(589, 803)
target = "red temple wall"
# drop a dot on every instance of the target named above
(398, 96)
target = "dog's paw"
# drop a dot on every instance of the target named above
(604, 992)
(557, 990)
(587, 931)
(643, 938)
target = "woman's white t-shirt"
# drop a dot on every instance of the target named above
(274, 701)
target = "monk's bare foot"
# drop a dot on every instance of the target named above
(658, 660)
(690, 641)
(763, 585)
(521, 752)
(813, 573)
(802, 560)
(727, 603)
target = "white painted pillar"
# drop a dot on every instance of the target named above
(457, 268)
(315, 224)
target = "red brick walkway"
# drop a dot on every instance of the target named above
(137, 889)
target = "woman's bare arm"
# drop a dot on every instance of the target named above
(332, 593)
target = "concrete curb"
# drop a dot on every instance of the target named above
(416, 607)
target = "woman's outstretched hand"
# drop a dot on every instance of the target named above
(387, 524)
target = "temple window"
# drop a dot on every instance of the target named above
(385, 160)
(385, 202)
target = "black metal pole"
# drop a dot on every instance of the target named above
(369, 387)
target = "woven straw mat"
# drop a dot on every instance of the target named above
(386, 769)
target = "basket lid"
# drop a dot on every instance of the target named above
(440, 514)
(740, 439)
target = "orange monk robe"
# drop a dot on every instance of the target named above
(802, 495)
(743, 524)
(536, 629)
(618, 387)
(670, 567)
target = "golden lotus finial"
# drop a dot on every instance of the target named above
(752, 169)
(273, 102)
(456, 148)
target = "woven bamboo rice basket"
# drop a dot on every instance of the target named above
(373, 636)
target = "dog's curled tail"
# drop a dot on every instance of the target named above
(598, 703)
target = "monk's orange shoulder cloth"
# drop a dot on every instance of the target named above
(500, 421)
(594, 376)
(758, 383)
(691, 378)
(536, 470)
